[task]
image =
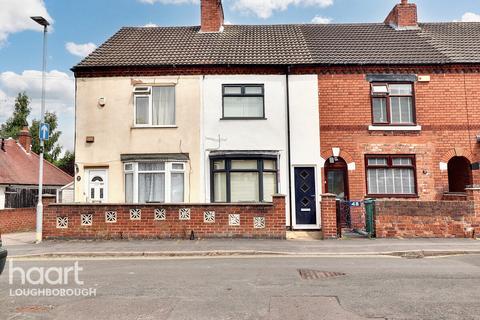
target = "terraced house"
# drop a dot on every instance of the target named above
(237, 113)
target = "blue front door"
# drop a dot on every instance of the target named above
(305, 196)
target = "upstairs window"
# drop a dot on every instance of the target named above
(391, 175)
(243, 102)
(154, 106)
(393, 104)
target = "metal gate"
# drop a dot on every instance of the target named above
(344, 217)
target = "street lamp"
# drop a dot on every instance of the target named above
(43, 22)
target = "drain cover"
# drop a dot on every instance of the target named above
(307, 274)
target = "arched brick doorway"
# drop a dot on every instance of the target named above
(336, 177)
(459, 174)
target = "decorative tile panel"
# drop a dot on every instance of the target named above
(160, 214)
(87, 219)
(62, 222)
(135, 214)
(259, 222)
(209, 217)
(111, 217)
(184, 214)
(234, 219)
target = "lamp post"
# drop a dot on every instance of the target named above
(43, 22)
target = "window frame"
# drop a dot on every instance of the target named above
(241, 95)
(228, 170)
(387, 96)
(390, 165)
(149, 94)
(168, 171)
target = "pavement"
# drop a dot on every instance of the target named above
(22, 245)
(249, 288)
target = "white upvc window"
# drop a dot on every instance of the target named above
(154, 106)
(154, 182)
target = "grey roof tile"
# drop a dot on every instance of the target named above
(335, 44)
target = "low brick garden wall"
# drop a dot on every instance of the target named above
(425, 219)
(157, 221)
(17, 220)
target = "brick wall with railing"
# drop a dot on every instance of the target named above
(165, 221)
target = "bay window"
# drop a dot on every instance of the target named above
(154, 182)
(391, 175)
(154, 106)
(393, 104)
(243, 180)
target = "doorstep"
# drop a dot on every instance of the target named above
(304, 235)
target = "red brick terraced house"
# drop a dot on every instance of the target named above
(237, 113)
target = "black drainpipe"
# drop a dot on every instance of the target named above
(289, 156)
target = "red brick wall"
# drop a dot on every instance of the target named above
(329, 216)
(172, 227)
(424, 219)
(447, 108)
(403, 15)
(211, 15)
(17, 220)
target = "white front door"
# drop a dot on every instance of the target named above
(97, 186)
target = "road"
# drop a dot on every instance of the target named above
(256, 288)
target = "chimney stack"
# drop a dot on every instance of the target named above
(212, 16)
(25, 139)
(403, 16)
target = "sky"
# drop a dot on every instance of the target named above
(79, 26)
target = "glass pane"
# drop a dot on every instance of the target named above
(177, 166)
(401, 110)
(92, 193)
(245, 164)
(141, 116)
(163, 100)
(101, 193)
(380, 89)
(128, 167)
(402, 161)
(379, 110)
(254, 90)
(391, 181)
(269, 186)
(177, 187)
(151, 166)
(129, 188)
(220, 187)
(269, 165)
(243, 107)
(244, 187)
(232, 90)
(219, 165)
(151, 187)
(377, 161)
(336, 184)
(400, 89)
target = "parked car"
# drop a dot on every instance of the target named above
(3, 256)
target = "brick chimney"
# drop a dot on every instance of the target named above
(403, 16)
(25, 139)
(212, 16)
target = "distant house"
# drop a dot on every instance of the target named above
(19, 173)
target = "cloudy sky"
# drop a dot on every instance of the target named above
(79, 26)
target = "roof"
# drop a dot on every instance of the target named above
(330, 44)
(21, 168)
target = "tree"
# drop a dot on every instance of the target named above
(67, 163)
(12, 127)
(51, 148)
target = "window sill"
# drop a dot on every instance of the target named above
(392, 196)
(240, 118)
(395, 128)
(155, 127)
